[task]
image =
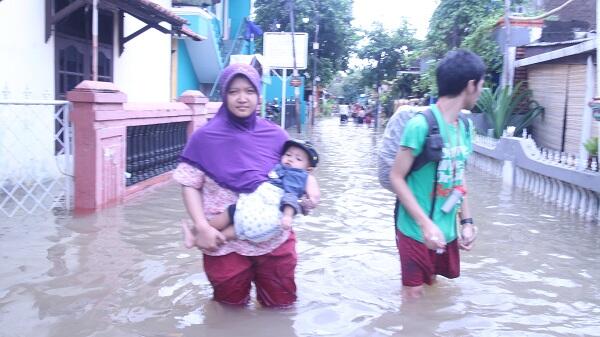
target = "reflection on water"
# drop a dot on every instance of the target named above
(123, 271)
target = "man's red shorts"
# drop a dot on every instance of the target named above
(231, 276)
(419, 263)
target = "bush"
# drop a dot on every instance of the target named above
(591, 146)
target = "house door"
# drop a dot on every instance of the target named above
(73, 48)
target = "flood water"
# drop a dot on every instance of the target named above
(123, 271)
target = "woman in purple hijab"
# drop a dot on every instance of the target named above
(232, 154)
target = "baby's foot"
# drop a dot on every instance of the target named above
(189, 237)
(286, 222)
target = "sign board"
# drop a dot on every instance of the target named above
(277, 49)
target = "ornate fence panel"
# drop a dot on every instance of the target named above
(153, 149)
(36, 167)
(550, 175)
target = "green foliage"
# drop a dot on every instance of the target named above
(591, 146)
(454, 20)
(387, 52)
(500, 108)
(347, 85)
(328, 107)
(427, 80)
(461, 24)
(336, 36)
(483, 44)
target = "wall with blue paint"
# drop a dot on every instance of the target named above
(273, 90)
(198, 24)
(238, 10)
(186, 77)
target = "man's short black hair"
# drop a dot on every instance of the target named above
(456, 69)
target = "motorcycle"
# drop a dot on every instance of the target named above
(273, 112)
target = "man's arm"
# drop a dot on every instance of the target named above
(468, 231)
(434, 238)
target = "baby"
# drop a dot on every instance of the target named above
(264, 213)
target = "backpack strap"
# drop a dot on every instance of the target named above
(434, 191)
(433, 129)
(422, 159)
(465, 120)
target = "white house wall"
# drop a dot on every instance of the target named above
(27, 66)
(26, 60)
(143, 71)
(26, 72)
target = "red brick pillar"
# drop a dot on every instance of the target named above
(100, 149)
(197, 102)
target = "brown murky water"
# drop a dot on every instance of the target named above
(123, 271)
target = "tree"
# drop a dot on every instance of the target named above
(461, 24)
(454, 20)
(347, 85)
(387, 53)
(336, 35)
(482, 42)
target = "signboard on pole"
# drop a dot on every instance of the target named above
(277, 49)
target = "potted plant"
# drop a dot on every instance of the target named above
(501, 109)
(591, 146)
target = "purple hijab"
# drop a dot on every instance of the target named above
(237, 153)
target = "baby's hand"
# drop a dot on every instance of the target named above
(307, 204)
(286, 222)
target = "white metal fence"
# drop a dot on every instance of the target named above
(36, 164)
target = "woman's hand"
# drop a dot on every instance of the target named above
(209, 238)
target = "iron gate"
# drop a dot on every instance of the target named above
(36, 162)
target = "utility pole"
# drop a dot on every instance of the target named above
(506, 76)
(295, 81)
(378, 92)
(315, 90)
(95, 40)
(596, 100)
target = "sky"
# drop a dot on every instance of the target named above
(390, 12)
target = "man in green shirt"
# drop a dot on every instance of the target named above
(426, 234)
